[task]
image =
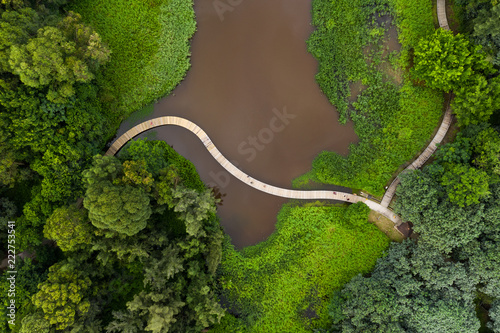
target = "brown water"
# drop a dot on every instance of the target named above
(246, 70)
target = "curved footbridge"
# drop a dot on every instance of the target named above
(381, 208)
(232, 169)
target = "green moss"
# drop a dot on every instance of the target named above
(284, 283)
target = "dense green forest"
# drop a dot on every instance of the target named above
(132, 243)
(116, 244)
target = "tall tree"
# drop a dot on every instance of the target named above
(466, 185)
(121, 208)
(69, 227)
(495, 317)
(487, 31)
(63, 296)
(444, 225)
(446, 61)
(59, 57)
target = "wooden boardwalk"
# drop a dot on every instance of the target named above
(443, 128)
(381, 208)
(422, 158)
(232, 169)
(441, 13)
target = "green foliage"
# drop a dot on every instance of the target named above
(7, 211)
(446, 61)
(69, 227)
(466, 186)
(35, 323)
(439, 222)
(454, 200)
(56, 139)
(389, 131)
(112, 204)
(163, 277)
(135, 174)
(450, 62)
(62, 296)
(103, 168)
(51, 143)
(193, 208)
(17, 26)
(487, 31)
(150, 45)
(495, 317)
(414, 21)
(9, 167)
(153, 153)
(280, 285)
(158, 155)
(393, 120)
(357, 214)
(229, 324)
(58, 57)
(28, 277)
(121, 208)
(412, 289)
(477, 101)
(337, 44)
(483, 259)
(487, 150)
(470, 9)
(179, 294)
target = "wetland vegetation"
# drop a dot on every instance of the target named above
(132, 243)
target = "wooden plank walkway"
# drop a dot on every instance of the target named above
(232, 169)
(441, 13)
(420, 160)
(443, 128)
(381, 208)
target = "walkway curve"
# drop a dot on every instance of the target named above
(232, 169)
(381, 208)
(443, 128)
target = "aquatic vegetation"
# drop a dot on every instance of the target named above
(150, 45)
(284, 283)
(393, 117)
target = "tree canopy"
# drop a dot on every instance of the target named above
(412, 289)
(451, 63)
(68, 226)
(63, 296)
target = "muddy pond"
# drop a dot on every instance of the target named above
(251, 87)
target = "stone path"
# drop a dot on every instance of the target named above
(232, 169)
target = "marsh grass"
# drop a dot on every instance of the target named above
(284, 283)
(393, 118)
(150, 44)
